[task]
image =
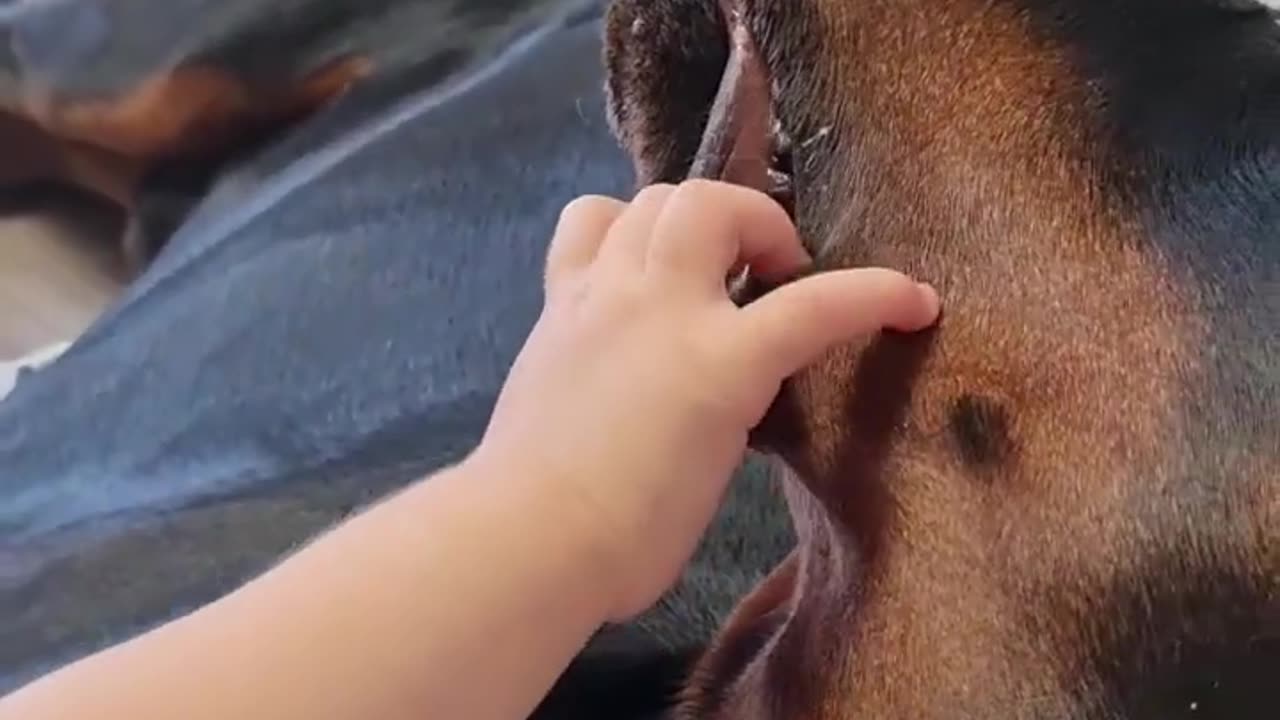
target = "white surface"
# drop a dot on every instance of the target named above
(56, 276)
(9, 370)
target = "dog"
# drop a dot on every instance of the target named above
(928, 476)
(144, 104)
(1064, 500)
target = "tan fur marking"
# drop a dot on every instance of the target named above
(191, 110)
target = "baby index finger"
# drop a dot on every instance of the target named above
(798, 322)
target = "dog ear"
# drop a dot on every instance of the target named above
(664, 60)
(746, 633)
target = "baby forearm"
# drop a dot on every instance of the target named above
(464, 596)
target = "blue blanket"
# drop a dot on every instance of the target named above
(333, 322)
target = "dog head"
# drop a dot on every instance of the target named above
(1064, 501)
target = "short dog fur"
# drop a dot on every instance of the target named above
(1064, 501)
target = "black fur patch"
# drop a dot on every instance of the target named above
(632, 681)
(1188, 641)
(664, 70)
(981, 428)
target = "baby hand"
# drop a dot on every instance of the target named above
(635, 393)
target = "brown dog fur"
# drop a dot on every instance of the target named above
(1061, 503)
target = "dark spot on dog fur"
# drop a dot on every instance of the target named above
(981, 428)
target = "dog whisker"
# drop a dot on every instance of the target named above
(817, 137)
